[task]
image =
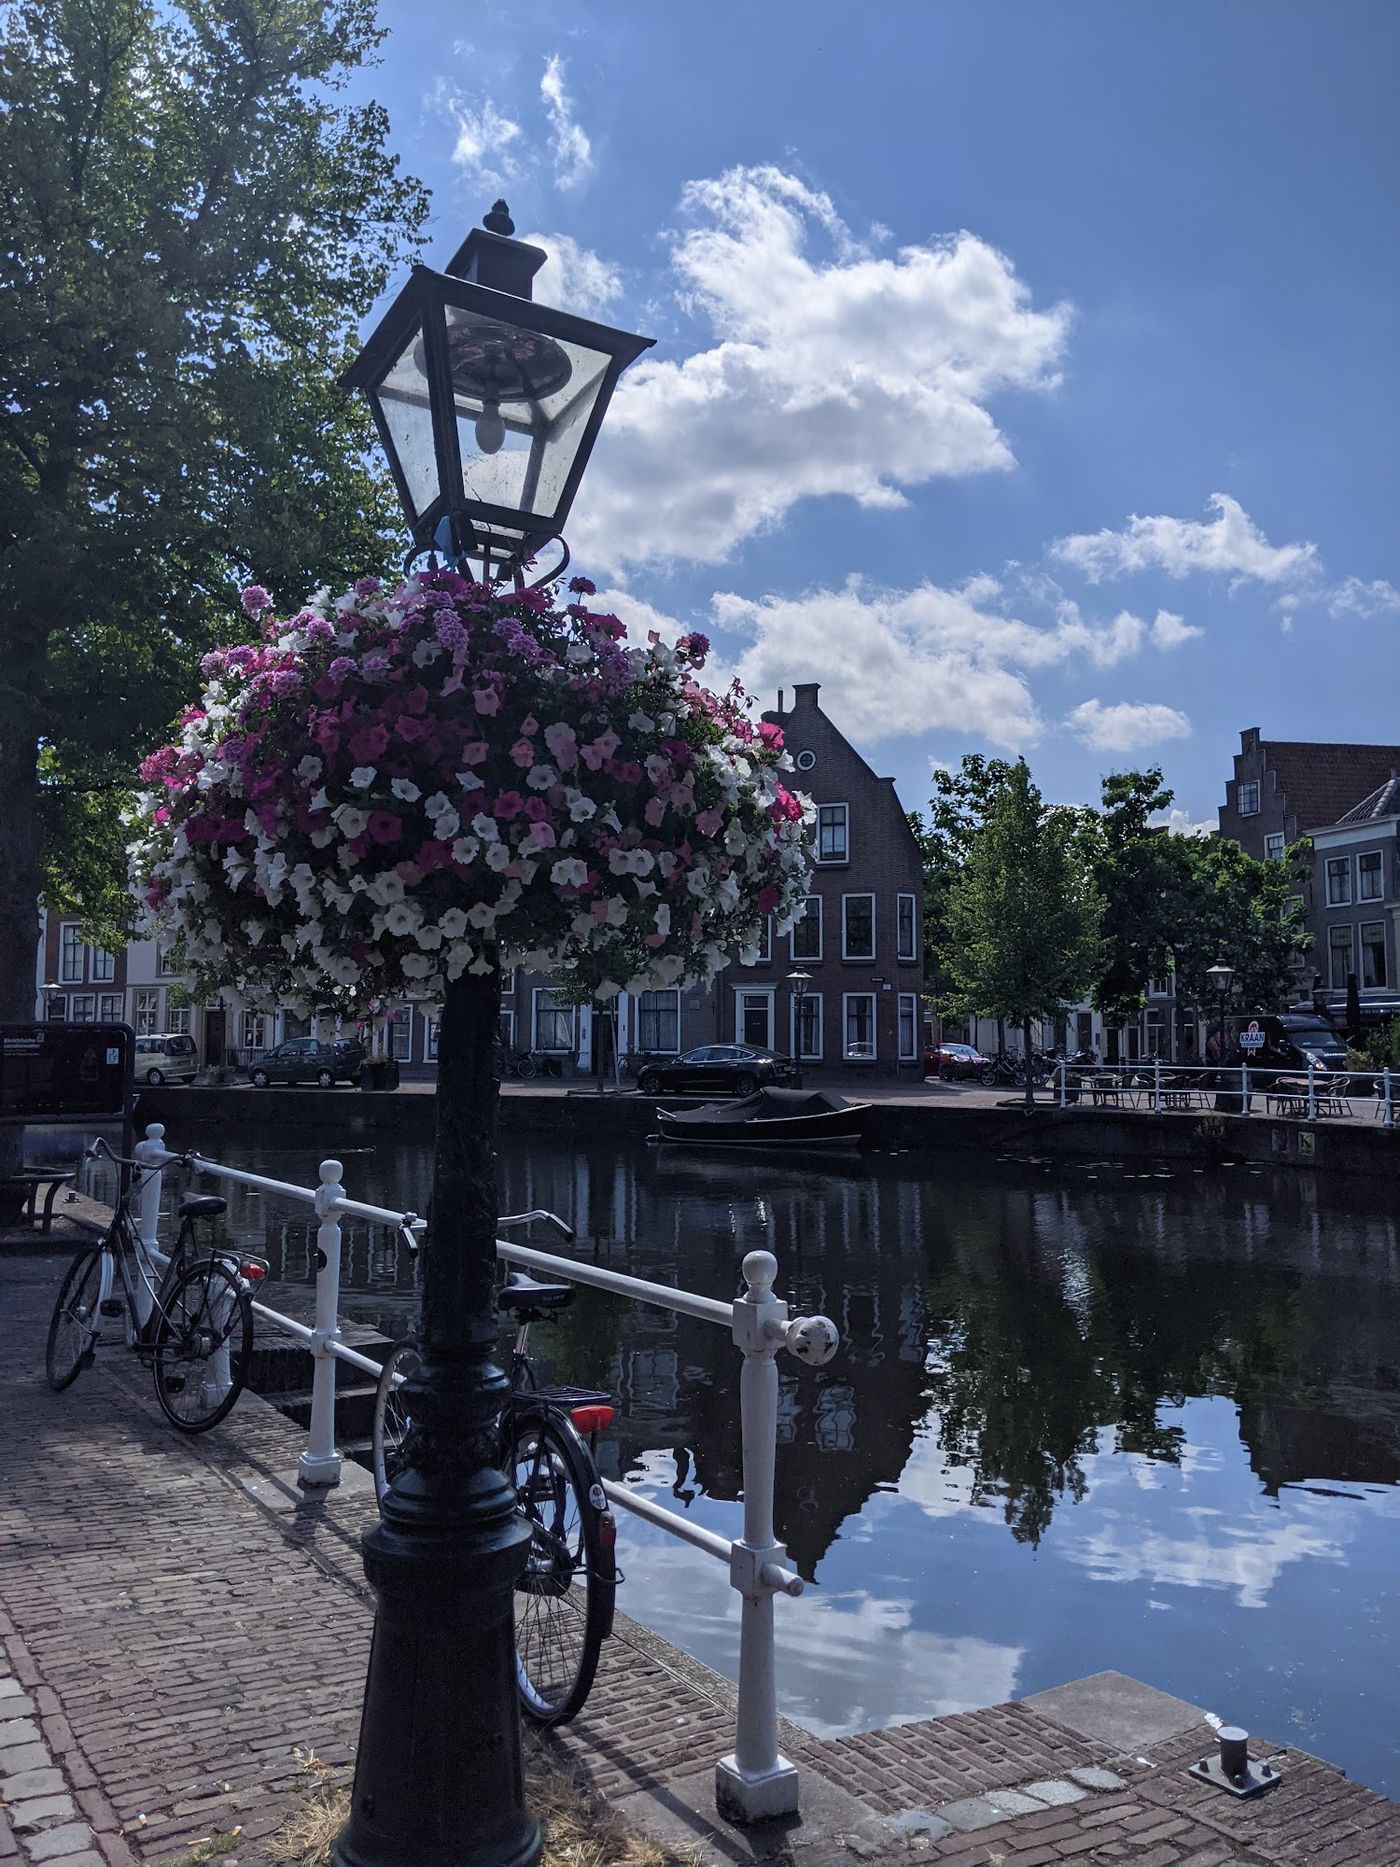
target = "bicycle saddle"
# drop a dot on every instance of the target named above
(523, 1293)
(201, 1206)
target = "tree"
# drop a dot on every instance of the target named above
(956, 811)
(1246, 912)
(1138, 872)
(192, 225)
(1023, 920)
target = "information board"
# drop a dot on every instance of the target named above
(66, 1072)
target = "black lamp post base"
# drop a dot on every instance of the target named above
(438, 1778)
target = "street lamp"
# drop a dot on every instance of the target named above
(488, 406)
(798, 981)
(1222, 978)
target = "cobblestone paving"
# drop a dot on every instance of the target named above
(180, 1630)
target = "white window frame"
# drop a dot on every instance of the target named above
(539, 995)
(863, 895)
(177, 1020)
(253, 1030)
(899, 949)
(1344, 864)
(640, 1012)
(766, 992)
(847, 1000)
(1274, 846)
(1247, 787)
(506, 1026)
(1373, 985)
(845, 856)
(908, 1008)
(1377, 857)
(765, 946)
(165, 962)
(145, 1012)
(1334, 984)
(109, 1007)
(818, 919)
(400, 1027)
(71, 953)
(82, 1008)
(807, 998)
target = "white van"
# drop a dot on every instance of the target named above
(168, 1059)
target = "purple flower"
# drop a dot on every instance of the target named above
(255, 599)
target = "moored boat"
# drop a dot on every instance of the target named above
(768, 1118)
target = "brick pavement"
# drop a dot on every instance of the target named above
(180, 1628)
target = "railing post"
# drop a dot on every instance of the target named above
(1244, 1089)
(1389, 1116)
(756, 1782)
(320, 1463)
(1156, 1085)
(1064, 1079)
(1312, 1090)
(148, 1154)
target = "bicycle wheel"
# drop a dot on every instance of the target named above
(525, 1067)
(391, 1415)
(562, 1602)
(73, 1328)
(202, 1345)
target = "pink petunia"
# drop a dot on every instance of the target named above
(487, 700)
(709, 821)
(508, 805)
(369, 745)
(384, 827)
(522, 753)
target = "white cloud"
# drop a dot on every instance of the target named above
(1170, 631)
(1181, 823)
(484, 135)
(1129, 726)
(1367, 600)
(574, 277)
(572, 150)
(1231, 543)
(834, 373)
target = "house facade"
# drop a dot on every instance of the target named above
(79, 983)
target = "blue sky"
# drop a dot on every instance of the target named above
(1025, 372)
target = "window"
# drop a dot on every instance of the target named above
(807, 930)
(1338, 881)
(859, 1046)
(833, 833)
(764, 955)
(254, 1031)
(1273, 846)
(109, 1008)
(401, 1034)
(1373, 952)
(908, 1027)
(507, 1028)
(82, 1008)
(56, 1008)
(165, 962)
(857, 926)
(147, 1013)
(177, 1018)
(805, 760)
(103, 966)
(432, 1024)
(1339, 958)
(659, 1021)
(1370, 877)
(807, 1027)
(905, 946)
(1159, 988)
(1247, 799)
(555, 1022)
(70, 954)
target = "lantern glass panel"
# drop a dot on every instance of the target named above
(404, 403)
(523, 402)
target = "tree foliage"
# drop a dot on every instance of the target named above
(193, 223)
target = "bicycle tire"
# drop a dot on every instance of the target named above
(563, 1602)
(391, 1416)
(76, 1306)
(526, 1068)
(206, 1310)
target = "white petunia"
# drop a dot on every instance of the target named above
(406, 789)
(454, 921)
(309, 769)
(569, 872)
(362, 777)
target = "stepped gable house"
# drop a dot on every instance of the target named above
(1286, 788)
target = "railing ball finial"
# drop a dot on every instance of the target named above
(155, 1130)
(331, 1171)
(760, 1271)
(813, 1340)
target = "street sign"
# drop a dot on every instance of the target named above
(65, 1072)
(1252, 1038)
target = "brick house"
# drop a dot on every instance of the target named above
(1286, 788)
(80, 984)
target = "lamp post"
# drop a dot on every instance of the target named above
(488, 406)
(1222, 978)
(798, 981)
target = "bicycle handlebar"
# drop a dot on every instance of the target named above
(411, 1222)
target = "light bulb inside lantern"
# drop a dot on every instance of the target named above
(490, 429)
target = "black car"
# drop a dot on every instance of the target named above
(308, 1060)
(738, 1069)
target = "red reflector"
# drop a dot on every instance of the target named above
(591, 1419)
(607, 1529)
(254, 1273)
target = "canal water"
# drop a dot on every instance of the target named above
(1084, 1416)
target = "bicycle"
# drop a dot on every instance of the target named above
(564, 1600)
(197, 1335)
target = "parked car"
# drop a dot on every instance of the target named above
(737, 1068)
(308, 1060)
(956, 1063)
(1292, 1040)
(171, 1058)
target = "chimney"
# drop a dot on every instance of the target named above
(804, 693)
(780, 700)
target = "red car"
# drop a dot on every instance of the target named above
(957, 1063)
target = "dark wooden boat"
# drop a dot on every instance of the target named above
(768, 1118)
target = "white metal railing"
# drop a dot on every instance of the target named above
(755, 1781)
(1309, 1093)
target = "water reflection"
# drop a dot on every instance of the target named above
(1179, 1393)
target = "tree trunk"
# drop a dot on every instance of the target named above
(1030, 1080)
(438, 1777)
(20, 877)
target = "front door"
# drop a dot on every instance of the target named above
(755, 1019)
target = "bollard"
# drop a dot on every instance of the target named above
(320, 1463)
(756, 1783)
(1312, 1089)
(148, 1155)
